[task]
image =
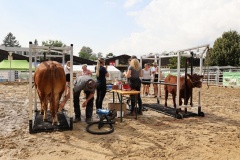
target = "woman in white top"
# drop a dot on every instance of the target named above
(155, 71)
(146, 79)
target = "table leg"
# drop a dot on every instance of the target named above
(113, 97)
(121, 107)
(136, 102)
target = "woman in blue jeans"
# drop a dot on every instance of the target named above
(101, 74)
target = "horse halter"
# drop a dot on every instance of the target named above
(194, 81)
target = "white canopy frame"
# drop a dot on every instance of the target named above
(35, 49)
(198, 52)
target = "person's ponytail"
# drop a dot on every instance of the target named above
(98, 68)
(99, 62)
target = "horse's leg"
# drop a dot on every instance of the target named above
(174, 100)
(185, 109)
(166, 96)
(180, 103)
(45, 108)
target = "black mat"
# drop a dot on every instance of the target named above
(40, 126)
(168, 110)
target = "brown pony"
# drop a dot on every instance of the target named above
(192, 82)
(50, 80)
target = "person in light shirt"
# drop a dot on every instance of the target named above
(146, 79)
(85, 71)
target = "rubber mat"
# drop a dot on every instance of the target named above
(168, 110)
(46, 126)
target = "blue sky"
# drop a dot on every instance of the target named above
(133, 27)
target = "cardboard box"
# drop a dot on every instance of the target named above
(117, 107)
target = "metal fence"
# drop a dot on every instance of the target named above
(214, 75)
(14, 76)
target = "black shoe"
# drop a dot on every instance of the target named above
(144, 109)
(88, 120)
(76, 120)
(140, 113)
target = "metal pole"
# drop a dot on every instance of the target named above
(10, 60)
(185, 83)
(71, 82)
(30, 88)
(35, 91)
(159, 77)
(141, 61)
(10, 68)
(178, 79)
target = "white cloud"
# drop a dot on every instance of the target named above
(173, 25)
(130, 3)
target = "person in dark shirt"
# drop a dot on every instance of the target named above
(101, 74)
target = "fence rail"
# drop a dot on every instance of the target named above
(218, 76)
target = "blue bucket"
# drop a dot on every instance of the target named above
(109, 87)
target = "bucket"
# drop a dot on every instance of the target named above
(109, 87)
(119, 114)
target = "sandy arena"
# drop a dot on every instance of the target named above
(153, 136)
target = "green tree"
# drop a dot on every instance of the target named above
(173, 62)
(85, 52)
(36, 42)
(109, 55)
(52, 43)
(99, 55)
(225, 51)
(10, 41)
(93, 57)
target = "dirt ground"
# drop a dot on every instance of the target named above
(152, 136)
